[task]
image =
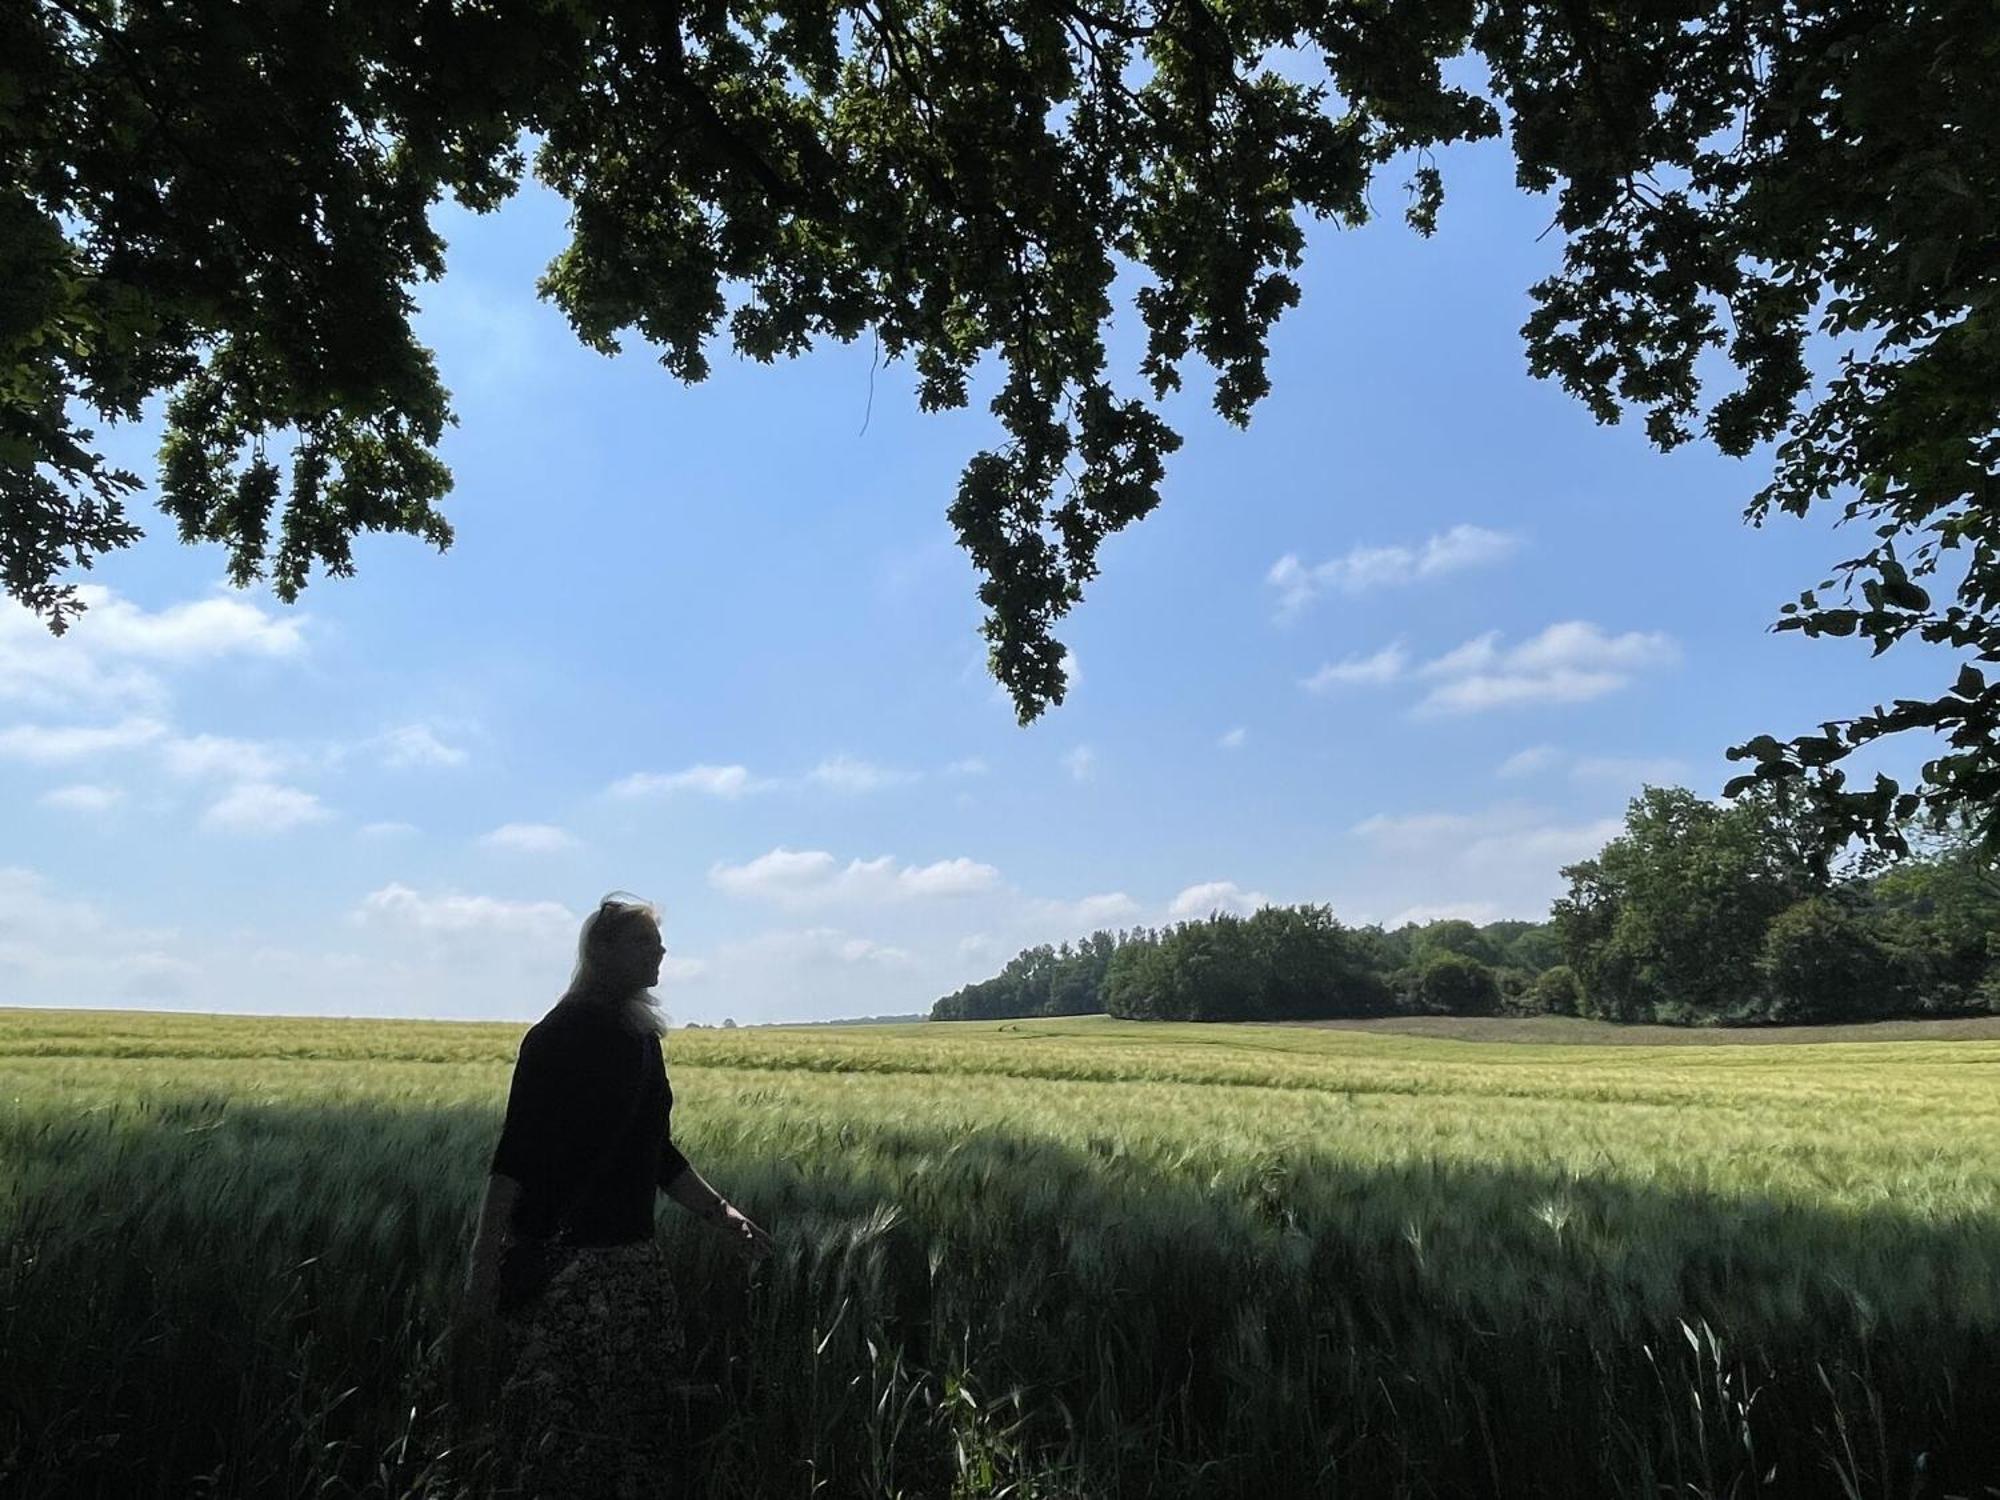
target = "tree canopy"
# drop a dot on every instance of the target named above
(1704, 914)
(229, 205)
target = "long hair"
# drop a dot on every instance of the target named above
(590, 983)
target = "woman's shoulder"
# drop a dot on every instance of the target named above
(575, 1025)
(566, 1026)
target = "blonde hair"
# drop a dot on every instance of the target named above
(589, 984)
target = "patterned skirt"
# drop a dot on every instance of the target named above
(595, 1367)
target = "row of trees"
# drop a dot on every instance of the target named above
(1282, 963)
(1727, 914)
(1698, 913)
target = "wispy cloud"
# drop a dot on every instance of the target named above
(702, 780)
(113, 652)
(1510, 835)
(844, 773)
(55, 744)
(223, 625)
(529, 838)
(258, 807)
(1527, 762)
(1364, 568)
(415, 745)
(451, 912)
(1084, 914)
(1384, 666)
(1234, 739)
(1215, 895)
(815, 944)
(1081, 763)
(218, 755)
(1571, 662)
(83, 798)
(808, 877)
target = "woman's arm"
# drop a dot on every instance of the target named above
(496, 1213)
(691, 1191)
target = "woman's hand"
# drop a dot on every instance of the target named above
(474, 1335)
(745, 1236)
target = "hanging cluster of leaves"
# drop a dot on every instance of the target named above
(229, 204)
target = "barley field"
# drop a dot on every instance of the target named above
(1038, 1259)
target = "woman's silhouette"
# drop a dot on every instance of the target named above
(567, 1296)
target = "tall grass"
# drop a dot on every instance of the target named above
(1064, 1259)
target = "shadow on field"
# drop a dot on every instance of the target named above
(247, 1299)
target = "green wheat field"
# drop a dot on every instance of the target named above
(1070, 1258)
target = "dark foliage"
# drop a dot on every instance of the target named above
(1705, 914)
(1283, 963)
(226, 205)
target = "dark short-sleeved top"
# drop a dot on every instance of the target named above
(588, 1133)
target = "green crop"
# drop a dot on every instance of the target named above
(1071, 1258)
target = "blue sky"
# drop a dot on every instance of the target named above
(1405, 645)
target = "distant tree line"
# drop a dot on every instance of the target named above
(1283, 963)
(1698, 913)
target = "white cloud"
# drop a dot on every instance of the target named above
(529, 838)
(59, 951)
(83, 798)
(1510, 690)
(1364, 568)
(53, 744)
(1413, 831)
(777, 874)
(414, 745)
(685, 970)
(1479, 654)
(218, 755)
(103, 657)
(1215, 895)
(843, 773)
(971, 765)
(708, 781)
(1081, 763)
(1108, 907)
(1509, 835)
(454, 914)
(857, 950)
(804, 877)
(816, 944)
(947, 877)
(40, 669)
(1570, 662)
(223, 625)
(1087, 914)
(1235, 739)
(1527, 762)
(387, 829)
(1385, 665)
(261, 807)
(1503, 860)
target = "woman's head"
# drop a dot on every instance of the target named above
(618, 957)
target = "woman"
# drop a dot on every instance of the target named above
(564, 1265)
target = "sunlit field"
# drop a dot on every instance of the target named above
(1031, 1258)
